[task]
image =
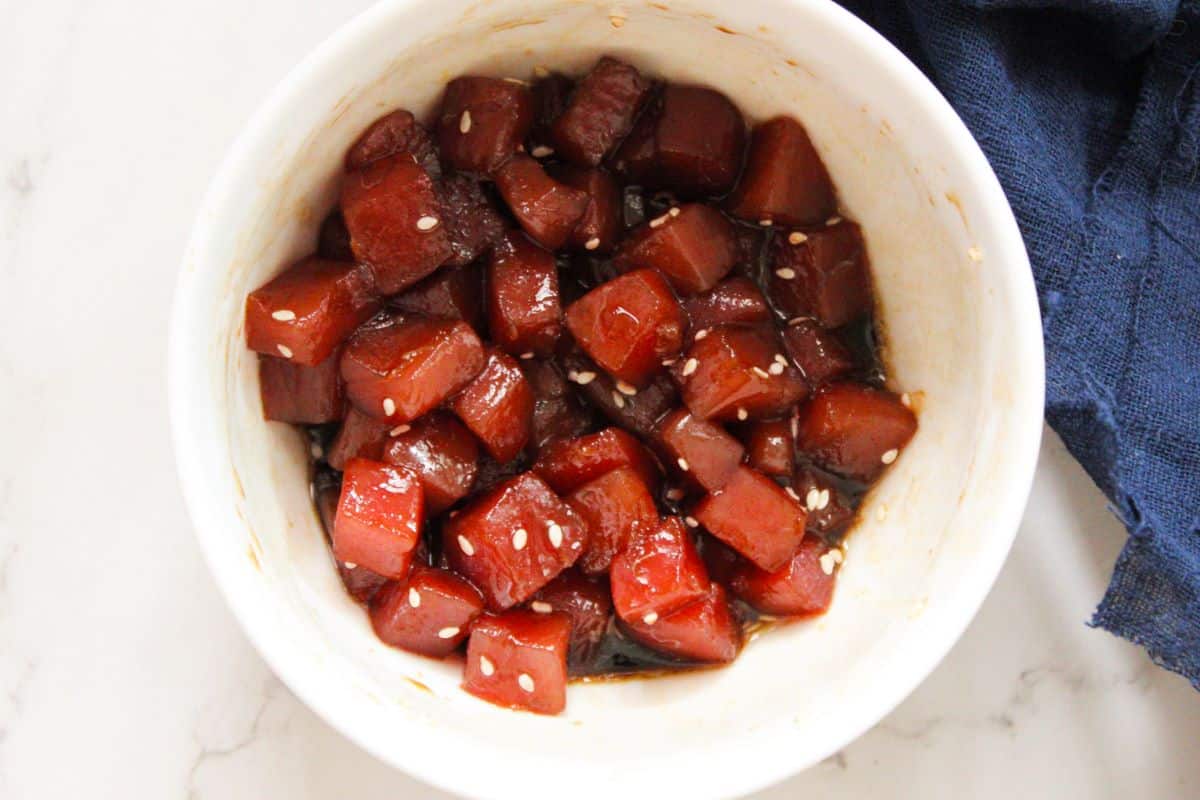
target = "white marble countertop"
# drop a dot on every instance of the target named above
(123, 675)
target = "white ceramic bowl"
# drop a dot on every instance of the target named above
(963, 333)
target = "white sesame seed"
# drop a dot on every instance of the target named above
(975, 254)
(674, 212)
(427, 223)
(650, 618)
(776, 368)
(832, 221)
(701, 334)
(464, 122)
(389, 406)
(448, 633)
(691, 522)
(541, 151)
(674, 494)
(812, 498)
(906, 400)
(541, 606)
(626, 388)
(683, 464)
(823, 501)
(889, 456)
(760, 372)
(827, 562)
(796, 237)
(618, 400)
(399, 429)
(465, 545)
(658, 221)
(787, 273)
(315, 450)
(519, 538)
(554, 533)
(792, 493)
(743, 414)
(669, 362)
(689, 366)
(541, 71)
(766, 223)
(284, 350)
(486, 666)
(592, 243)
(525, 681)
(414, 598)
(584, 378)
(794, 321)
(616, 20)
(781, 359)
(349, 564)
(838, 556)
(283, 315)
(517, 81)
(527, 355)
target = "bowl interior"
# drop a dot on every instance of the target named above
(962, 335)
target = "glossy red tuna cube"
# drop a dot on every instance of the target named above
(449, 293)
(395, 219)
(333, 240)
(736, 373)
(818, 353)
(298, 394)
(770, 448)
(586, 601)
(399, 372)
(855, 430)
(830, 510)
(360, 582)
(394, 133)
(524, 310)
(629, 325)
(472, 223)
(611, 506)
(570, 463)
(519, 660)
(443, 455)
(690, 140)
(659, 572)
(693, 246)
(513, 540)
(557, 411)
(498, 407)
(770, 535)
(703, 632)
(825, 277)
(379, 517)
(733, 301)
(360, 436)
(482, 121)
(803, 586)
(600, 112)
(785, 181)
(546, 209)
(429, 613)
(701, 449)
(600, 226)
(304, 313)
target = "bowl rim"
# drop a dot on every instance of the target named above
(196, 460)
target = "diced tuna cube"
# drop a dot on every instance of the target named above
(399, 372)
(611, 506)
(307, 311)
(830, 510)
(545, 208)
(360, 436)
(586, 602)
(551, 95)
(360, 582)
(333, 240)
(601, 111)
(379, 517)
(659, 572)
(693, 246)
(524, 311)
(818, 353)
(770, 448)
(784, 182)
(801, 587)
(443, 455)
(600, 226)
(629, 325)
(394, 216)
(392, 134)
(568, 464)
(733, 301)
(855, 430)
(429, 613)
(826, 276)
(735, 373)
(703, 632)
(557, 412)
(770, 535)
(450, 293)
(482, 121)
(472, 223)
(638, 412)
(498, 406)
(703, 450)
(299, 394)
(513, 540)
(519, 660)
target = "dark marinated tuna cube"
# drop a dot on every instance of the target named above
(379, 517)
(659, 572)
(770, 448)
(398, 372)
(733, 301)
(482, 121)
(825, 276)
(701, 449)
(611, 506)
(854, 430)
(770, 535)
(600, 226)
(360, 436)
(498, 407)
(818, 353)
(567, 465)
(392, 134)
(557, 412)
(691, 141)
(545, 208)
(629, 325)
(830, 511)
(785, 182)
(524, 311)
(738, 374)
(472, 224)
(513, 540)
(451, 293)
(430, 613)
(307, 311)
(601, 111)
(586, 602)
(703, 632)
(638, 412)
(333, 240)
(492, 473)
(519, 660)
(693, 246)
(550, 97)
(443, 455)
(803, 586)
(298, 394)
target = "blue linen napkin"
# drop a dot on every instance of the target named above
(1089, 111)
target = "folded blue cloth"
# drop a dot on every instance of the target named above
(1089, 111)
